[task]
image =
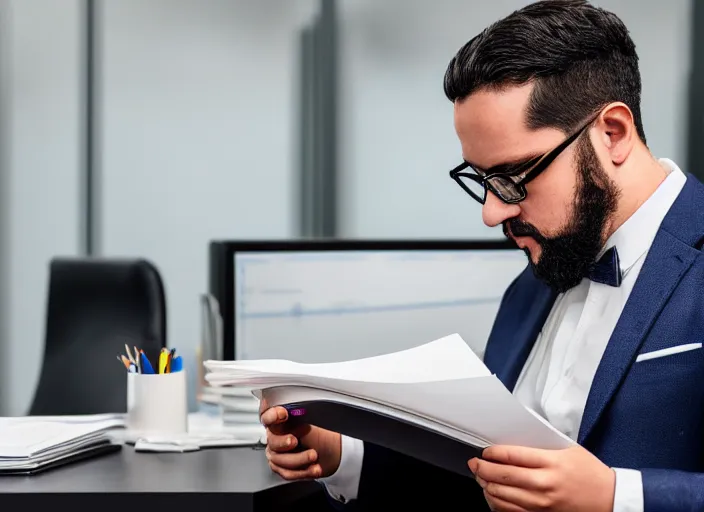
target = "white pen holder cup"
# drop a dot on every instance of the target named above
(157, 403)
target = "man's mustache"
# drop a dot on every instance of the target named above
(519, 228)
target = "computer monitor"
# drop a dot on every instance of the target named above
(332, 300)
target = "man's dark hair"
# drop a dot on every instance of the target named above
(580, 58)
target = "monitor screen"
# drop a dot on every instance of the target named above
(323, 306)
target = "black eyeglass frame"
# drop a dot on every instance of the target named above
(525, 172)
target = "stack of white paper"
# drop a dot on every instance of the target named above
(29, 443)
(441, 386)
(238, 407)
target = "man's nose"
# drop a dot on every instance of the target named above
(495, 211)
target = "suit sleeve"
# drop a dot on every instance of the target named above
(672, 491)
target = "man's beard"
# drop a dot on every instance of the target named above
(566, 258)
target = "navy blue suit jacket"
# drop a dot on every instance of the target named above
(646, 415)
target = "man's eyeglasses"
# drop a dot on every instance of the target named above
(509, 184)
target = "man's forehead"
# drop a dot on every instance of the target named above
(492, 129)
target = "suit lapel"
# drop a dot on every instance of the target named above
(522, 336)
(665, 265)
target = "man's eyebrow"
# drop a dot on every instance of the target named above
(506, 166)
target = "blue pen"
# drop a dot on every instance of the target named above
(176, 364)
(146, 365)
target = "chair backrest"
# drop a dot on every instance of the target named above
(95, 307)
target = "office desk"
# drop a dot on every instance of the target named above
(232, 479)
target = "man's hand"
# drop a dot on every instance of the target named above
(518, 479)
(303, 453)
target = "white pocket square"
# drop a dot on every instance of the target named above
(667, 351)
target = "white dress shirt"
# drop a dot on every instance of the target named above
(558, 374)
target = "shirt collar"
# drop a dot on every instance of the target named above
(635, 236)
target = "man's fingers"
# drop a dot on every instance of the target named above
(311, 472)
(296, 460)
(274, 416)
(525, 478)
(519, 456)
(281, 443)
(499, 505)
(508, 498)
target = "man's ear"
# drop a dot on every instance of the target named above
(617, 131)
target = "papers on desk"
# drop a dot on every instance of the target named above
(441, 386)
(190, 442)
(30, 444)
(237, 407)
(204, 431)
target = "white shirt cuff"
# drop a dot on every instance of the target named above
(628, 495)
(343, 484)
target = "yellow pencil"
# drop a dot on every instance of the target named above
(162, 362)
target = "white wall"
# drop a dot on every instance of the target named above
(40, 99)
(198, 112)
(397, 139)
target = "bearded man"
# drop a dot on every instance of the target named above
(602, 333)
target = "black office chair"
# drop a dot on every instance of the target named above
(95, 306)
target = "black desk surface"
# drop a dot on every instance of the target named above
(238, 478)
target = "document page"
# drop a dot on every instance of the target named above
(482, 407)
(25, 439)
(289, 394)
(442, 381)
(442, 359)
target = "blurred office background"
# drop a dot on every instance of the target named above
(150, 127)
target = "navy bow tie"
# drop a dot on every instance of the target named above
(607, 270)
